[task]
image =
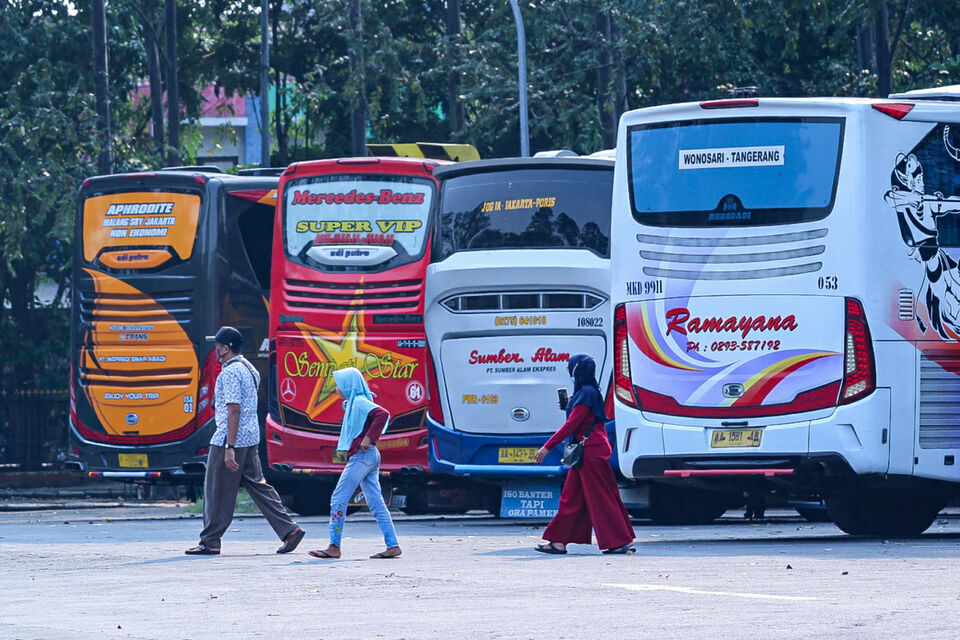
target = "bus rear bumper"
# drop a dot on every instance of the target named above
(310, 454)
(852, 439)
(183, 461)
(469, 454)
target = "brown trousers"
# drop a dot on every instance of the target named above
(220, 488)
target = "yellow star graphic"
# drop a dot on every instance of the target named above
(346, 348)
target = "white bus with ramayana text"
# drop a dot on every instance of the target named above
(787, 304)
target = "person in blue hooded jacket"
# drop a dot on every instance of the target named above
(590, 498)
(363, 423)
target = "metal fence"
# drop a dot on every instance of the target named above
(33, 428)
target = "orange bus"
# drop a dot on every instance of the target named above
(161, 260)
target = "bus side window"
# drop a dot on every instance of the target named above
(256, 231)
(941, 183)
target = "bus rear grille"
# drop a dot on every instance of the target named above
(741, 258)
(124, 307)
(939, 409)
(523, 301)
(399, 295)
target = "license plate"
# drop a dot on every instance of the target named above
(133, 460)
(515, 455)
(360, 500)
(735, 438)
(398, 443)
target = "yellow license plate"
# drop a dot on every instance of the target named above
(398, 443)
(133, 460)
(515, 455)
(735, 438)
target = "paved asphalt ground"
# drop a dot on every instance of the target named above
(121, 573)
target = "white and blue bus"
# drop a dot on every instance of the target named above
(787, 304)
(518, 283)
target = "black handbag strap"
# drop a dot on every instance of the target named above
(590, 430)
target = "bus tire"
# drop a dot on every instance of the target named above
(312, 501)
(845, 512)
(899, 513)
(680, 505)
(814, 515)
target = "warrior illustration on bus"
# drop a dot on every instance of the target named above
(917, 214)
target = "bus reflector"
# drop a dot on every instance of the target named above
(434, 408)
(859, 372)
(621, 359)
(730, 104)
(894, 109)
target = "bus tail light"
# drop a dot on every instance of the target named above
(608, 402)
(859, 371)
(622, 385)
(273, 383)
(896, 110)
(205, 389)
(434, 408)
(730, 103)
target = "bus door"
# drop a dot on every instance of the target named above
(518, 284)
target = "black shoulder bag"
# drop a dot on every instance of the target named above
(573, 452)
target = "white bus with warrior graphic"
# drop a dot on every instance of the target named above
(787, 304)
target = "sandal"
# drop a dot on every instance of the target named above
(320, 553)
(550, 547)
(291, 541)
(623, 550)
(202, 550)
(384, 555)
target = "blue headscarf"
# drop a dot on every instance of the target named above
(586, 390)
(357, 405)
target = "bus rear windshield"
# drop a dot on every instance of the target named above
(140, 229)
(734, 172)
(356, 223)
(526, 209)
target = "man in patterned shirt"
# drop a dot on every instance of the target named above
(233, 459)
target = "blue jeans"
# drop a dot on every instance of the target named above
(363, 469)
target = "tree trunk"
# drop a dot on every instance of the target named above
(280, 118)
(101, 86)
(608, 126)
(620, 105)
(358, 113)
(865, 47)
(151, 47)
(173, 86)
(455, 107)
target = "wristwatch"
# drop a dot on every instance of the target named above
(229, 446)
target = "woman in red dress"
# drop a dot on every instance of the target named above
(590, 497)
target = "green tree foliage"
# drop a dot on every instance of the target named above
(47, 134)
(588, 61)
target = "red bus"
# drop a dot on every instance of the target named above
(350, 252)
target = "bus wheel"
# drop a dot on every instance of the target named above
(812, 514)
(901, 513)
(312, 501)
(680, 505)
